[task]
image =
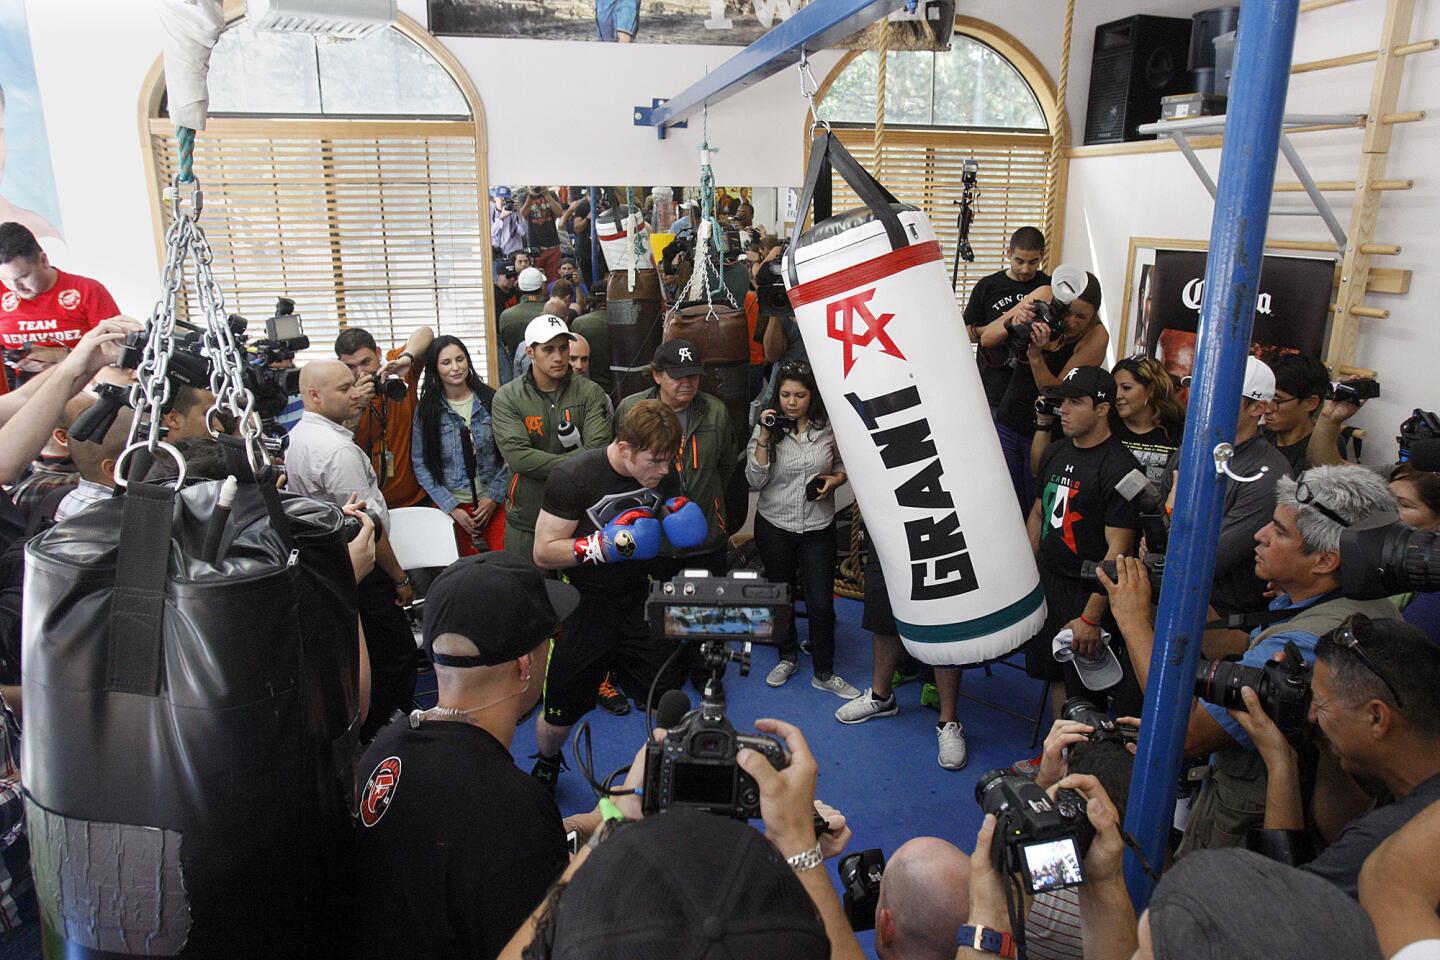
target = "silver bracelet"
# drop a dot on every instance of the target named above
(806, 860)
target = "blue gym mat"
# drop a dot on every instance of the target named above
(882, 775)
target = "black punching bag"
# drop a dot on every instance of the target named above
(190, 726)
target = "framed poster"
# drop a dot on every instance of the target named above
(27, 180)
(1165, 287)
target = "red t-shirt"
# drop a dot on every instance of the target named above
(59, 317)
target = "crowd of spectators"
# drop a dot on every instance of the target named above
(567, 500)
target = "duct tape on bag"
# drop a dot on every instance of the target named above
(892, 361)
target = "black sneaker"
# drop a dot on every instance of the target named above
(612, 699)
(547, 769)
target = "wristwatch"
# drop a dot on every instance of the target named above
(806, 859)
(987, 940)
(403, 583)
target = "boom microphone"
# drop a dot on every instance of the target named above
(673, 706)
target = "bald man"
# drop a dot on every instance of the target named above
(323, 462)
(94, 461)
(924, 900)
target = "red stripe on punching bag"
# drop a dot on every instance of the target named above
(865, 272)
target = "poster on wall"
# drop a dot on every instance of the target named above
(1291, 313)
(27, 181)
(615, 21)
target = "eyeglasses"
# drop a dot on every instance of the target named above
(1347, 636)
(1305, 496)
(1281, 403)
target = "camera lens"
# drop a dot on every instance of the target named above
(1219, 682)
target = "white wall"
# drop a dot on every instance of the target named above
(1157, 195)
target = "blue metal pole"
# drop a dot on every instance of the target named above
(1264, 42)
(594, 237)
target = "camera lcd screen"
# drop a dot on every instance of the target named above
(283, 328)
(703, 783)
(755, 623)
(1053, 864)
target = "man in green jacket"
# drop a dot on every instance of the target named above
(513, 323)
(539, 420)
(708, 452)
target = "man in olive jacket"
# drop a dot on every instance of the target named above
(539, 420)
(708, 452)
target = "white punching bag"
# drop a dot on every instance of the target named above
(893, 363)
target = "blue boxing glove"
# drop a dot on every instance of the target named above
(685, 524)
(633, 535)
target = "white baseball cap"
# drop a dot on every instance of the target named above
(545, 328)
(1098, 672)
(531, 279)
(1259, 380)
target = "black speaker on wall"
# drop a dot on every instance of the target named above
(1137, 61)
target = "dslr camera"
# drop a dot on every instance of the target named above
(694, 766)
(1067, 283)
(1044, 841)
(392, 388)
(860, 875)
(770, 291)
(1283, 688)
(1105, 729)
(776, 421)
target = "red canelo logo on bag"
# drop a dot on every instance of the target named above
(844, 330)
(379, 791)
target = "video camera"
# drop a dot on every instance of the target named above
(770, 291)
(695, 766)
(188, 367)
(1066, 284)
(1043, 840)
(1283, 687)
(776, 421)
(1380, 557)
(1352, 391)
(1154, 523)
(1104, 729)
(1419, 441)
(284, 337)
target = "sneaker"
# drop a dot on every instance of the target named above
(836, 685)
(612, 699)
(782, 671)
(547, 769)
(953, 754)
(930, 696)
(1026, 768)
(900, 678)
(867, 706)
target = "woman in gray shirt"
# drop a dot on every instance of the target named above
(794, 464)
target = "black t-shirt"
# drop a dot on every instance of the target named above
(456, 844)
(1297, 453)
(1078, 501)
(541, 223)
(1152, 449)
(1017, 406)
(992, 297)
(586, 489)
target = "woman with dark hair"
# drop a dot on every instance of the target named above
(1417, 494)
(795, 466)
(453, 447)
(1146, 416)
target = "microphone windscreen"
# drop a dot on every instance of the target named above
(673, 706)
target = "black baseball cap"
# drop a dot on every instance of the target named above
(679, 358)
(498, 602)
(1092, 382)
(686, 885)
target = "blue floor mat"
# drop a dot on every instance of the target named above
(882, 775)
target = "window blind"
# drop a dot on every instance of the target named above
(373, 224)
(923, 168)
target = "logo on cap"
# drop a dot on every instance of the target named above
(555, 322)
(840, 316)
(379, 791)
(686, 355)
(1071, 374)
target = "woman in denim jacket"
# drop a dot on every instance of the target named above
(453, 448)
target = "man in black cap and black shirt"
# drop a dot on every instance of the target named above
(601, 521)
(456, 845)
(994, 296)
(1078, 516)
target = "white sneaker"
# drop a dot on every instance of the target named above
(836, 685)
(867, 706)
(781, 672)
(953, 753)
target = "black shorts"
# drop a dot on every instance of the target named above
(606, 633)
(877, 616)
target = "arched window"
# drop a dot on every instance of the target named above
(986, 99)
(347, 176)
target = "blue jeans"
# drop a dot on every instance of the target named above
(1016, 448)
(616, 16)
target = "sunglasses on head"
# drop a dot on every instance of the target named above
(795, 368)
(1348, 636)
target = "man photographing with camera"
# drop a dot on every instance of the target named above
(388, 392)
(541, 208)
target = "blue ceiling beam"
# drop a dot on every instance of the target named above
(819, 24)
